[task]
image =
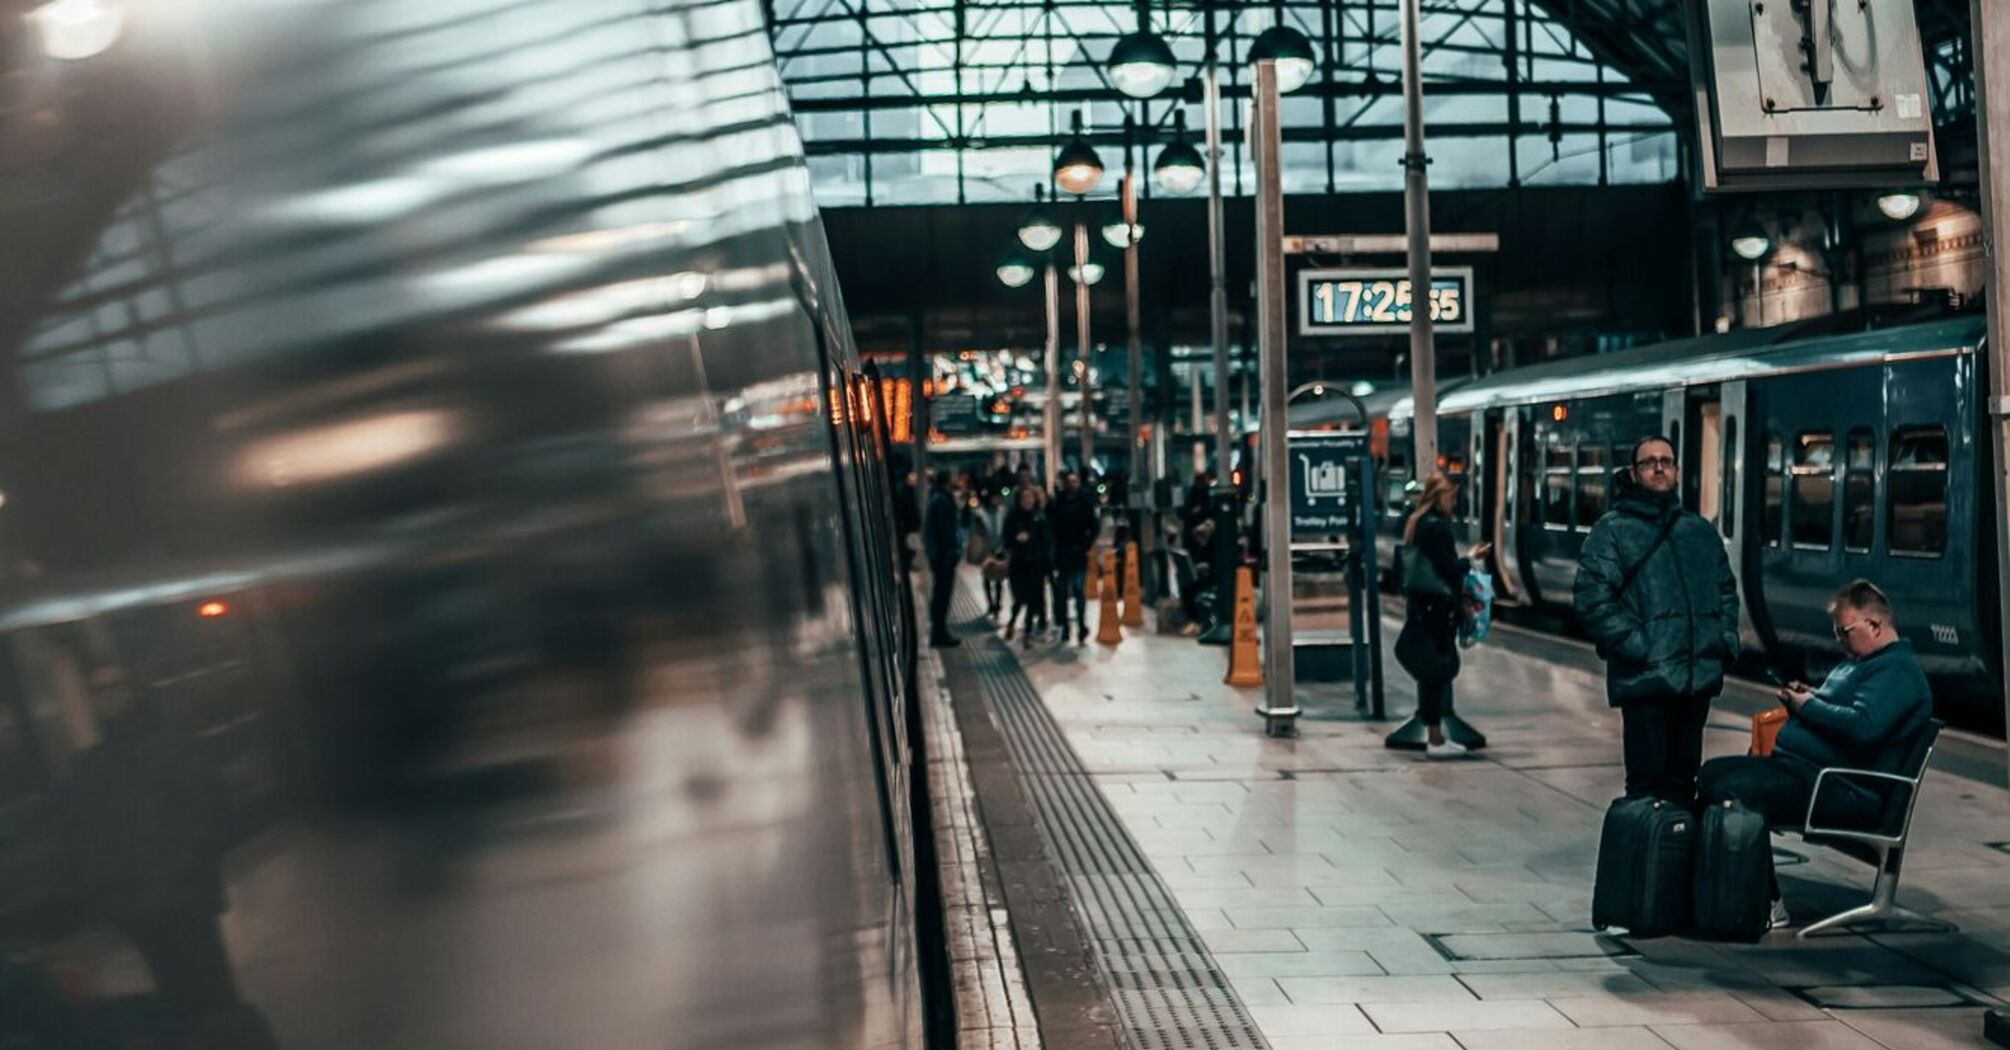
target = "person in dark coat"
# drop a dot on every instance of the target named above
(942, 541)
(1866, 715)
(1428, 645)
(1072, 515)
(147, 823)
(1029, 553)
(1655, 592)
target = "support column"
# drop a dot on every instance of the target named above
(1280, 687)
(1088, 354)
(1051, 419)
(1992, 119)
(1417, 212)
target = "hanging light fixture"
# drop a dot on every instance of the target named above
(1290, 50)
(1750, 242)
(74, 29)
(1141, 65)
(1077, 170)
(1179, 168)
(1899, 205)
(1121, 235)
(1016, 269)
(1038, 231)
(1089, 273)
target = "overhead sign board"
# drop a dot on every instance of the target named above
(1371, 301)
(1324, 466)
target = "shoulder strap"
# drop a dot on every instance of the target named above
(1633, 570)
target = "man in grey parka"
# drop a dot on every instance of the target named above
(1655, 592)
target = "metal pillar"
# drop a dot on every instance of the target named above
(1992, 110)
(1280, 692)
(1139, 462)
(1217, 267)
(1051, 419)
(1087, 357)
(1417, 212)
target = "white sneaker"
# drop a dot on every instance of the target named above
(1781, 920)
(1448, 749)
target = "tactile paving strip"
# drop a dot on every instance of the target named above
(1166, 986)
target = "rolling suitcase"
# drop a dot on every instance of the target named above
(1643, 868)
(1734, 866)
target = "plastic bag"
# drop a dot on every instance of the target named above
(1476, 612)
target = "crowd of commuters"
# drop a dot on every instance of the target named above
(1033, 545)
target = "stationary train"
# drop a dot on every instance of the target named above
(1822, 452)
(434, 429)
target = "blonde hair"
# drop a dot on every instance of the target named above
(1434, 486)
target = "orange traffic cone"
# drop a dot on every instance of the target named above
(1244, 668)
(1108, 631)
(1134, 591)
(1092, 585)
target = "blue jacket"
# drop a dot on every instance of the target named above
(941, 535)
(1865, 714)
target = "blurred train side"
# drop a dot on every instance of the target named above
(445, 414)
(1821, 455)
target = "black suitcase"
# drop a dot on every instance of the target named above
(1643, 868)
(1734, 867)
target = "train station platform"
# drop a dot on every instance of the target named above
(1226, 889)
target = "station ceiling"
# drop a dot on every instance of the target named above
(964, 101)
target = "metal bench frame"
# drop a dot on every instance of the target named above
(1883, 904)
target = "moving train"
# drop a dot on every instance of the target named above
(1844, 447)
(447, 591)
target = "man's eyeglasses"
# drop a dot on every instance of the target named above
(1655, 463)
(1843, 630)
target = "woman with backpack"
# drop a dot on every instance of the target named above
(1434, 580)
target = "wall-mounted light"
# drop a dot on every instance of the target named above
(1750, 242)
(1899, 205)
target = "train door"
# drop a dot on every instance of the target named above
(1734, 519)
(1499, 432)
(1708, 427)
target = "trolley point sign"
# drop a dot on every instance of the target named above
(1324, 467)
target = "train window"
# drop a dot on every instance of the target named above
(1776, 491)
(1557, 471)
(1812, 520)
(1917, 478)
(1727, 500)
(1593, 474)
(1395, 476)
(1859, 489)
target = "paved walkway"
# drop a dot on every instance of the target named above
(1362, 898)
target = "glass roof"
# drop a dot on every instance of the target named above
(938, 101)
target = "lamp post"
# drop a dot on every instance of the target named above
(1039, 233)
(1084, 273)
(1417, 213)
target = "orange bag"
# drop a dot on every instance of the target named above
(1766, 728)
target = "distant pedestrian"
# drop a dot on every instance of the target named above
(1029, 553)
(1073, 519)
(1434, 581)
(991, 520)
(1655, 592)
(942, 539)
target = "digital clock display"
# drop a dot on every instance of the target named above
(1378, 302)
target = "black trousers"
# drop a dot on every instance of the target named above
(1664, 746)
(994, 594)
(191, 967)
(941, 587)
(1433, 700)
(1780, 789)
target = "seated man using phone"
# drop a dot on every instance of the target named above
(1863, 716)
